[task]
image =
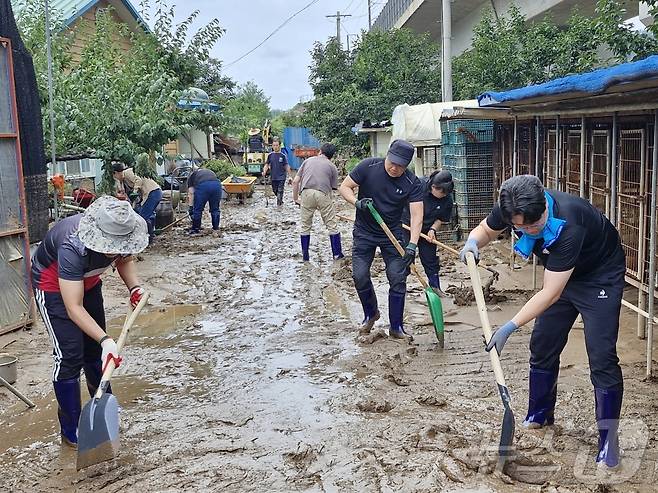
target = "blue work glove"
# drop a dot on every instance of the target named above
(409, 254)
(362, 204)
(190, 211)
(470, 246)
(499, 338)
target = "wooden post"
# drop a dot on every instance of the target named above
(583, 136)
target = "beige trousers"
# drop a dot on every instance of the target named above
(312, 200)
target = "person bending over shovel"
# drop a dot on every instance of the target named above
(584, 274)
(66, 271)
(437, 210)
(389, 186)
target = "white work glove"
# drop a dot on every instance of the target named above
(110, 352)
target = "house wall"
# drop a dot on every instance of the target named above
(193, 145)
(84, 29)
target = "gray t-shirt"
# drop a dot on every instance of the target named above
(318, 173)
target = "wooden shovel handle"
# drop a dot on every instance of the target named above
(449, 249)
(127, 325)
(399, 248)
(484, 316)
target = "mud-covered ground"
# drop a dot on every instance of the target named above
(246, 374)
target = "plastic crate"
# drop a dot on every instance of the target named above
(477, 199)
(481, 160)
(484, 174)
(467, 131)
(477, 185)
(485, 149)
(470, 221)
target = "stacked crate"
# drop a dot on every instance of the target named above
(467, 153)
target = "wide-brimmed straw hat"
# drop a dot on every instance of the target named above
(111, 226)
(254, 131)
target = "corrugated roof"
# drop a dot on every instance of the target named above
(588, 84)
(71, 10)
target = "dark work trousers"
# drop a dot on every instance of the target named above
(278, 187)
(206, 192)
(73, 350)
(363, 253)
(598, 300)
(147, 209)
(427, 254)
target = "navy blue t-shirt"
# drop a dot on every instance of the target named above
(199, 176)
(278, 163)
(390, 195)
(433, 208)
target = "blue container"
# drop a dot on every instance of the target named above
(294, 137)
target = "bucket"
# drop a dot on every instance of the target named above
(164, 214)
(8, 367)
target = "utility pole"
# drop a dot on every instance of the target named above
(51, 111)
(446, 62)
(338, 17)
(369, 14)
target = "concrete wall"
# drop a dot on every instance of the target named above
(425, 15)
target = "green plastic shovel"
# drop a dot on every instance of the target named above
(433, 300)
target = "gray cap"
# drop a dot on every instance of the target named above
(401, 152)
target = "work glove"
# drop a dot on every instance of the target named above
(470, 246)
(136, 294)
(190, 211)
(362, 204)
(409, 254)
(499, 338)
(110, 352)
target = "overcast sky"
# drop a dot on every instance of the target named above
(280, 66)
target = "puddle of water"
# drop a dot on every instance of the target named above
(157, 322)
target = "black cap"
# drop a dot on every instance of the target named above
(442, 180)
(401, 152)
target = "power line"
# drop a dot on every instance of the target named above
(272, 33)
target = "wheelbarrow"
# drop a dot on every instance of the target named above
(240, 186)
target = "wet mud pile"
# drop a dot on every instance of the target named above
(247, 374)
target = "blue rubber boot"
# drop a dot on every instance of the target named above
(67, 393)
(93, 376)
(541, 398)
(306, 241)
(370, 311)
(395, 314)
(608, 409)
(336, 247)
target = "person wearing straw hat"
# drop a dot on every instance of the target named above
(66, 270)
(255, 140)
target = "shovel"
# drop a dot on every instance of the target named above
(453, 251)
(507, 431)
(98, 429)
(433, 300)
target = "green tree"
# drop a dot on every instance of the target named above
(248, 107)
(385, 69)
(510, 52)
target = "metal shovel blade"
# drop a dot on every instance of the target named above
(436, 312)
(507, 431)
(98, 431)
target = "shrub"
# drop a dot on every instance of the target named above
(223, 169)
(351, 164)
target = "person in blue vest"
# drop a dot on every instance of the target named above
(437, 210)
(203, 187)
(584, 274)
(389, 186)
(277, 164)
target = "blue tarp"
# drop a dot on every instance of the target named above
(594, 82)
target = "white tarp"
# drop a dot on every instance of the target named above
(419, 124)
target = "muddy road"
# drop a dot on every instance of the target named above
(246, 374)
